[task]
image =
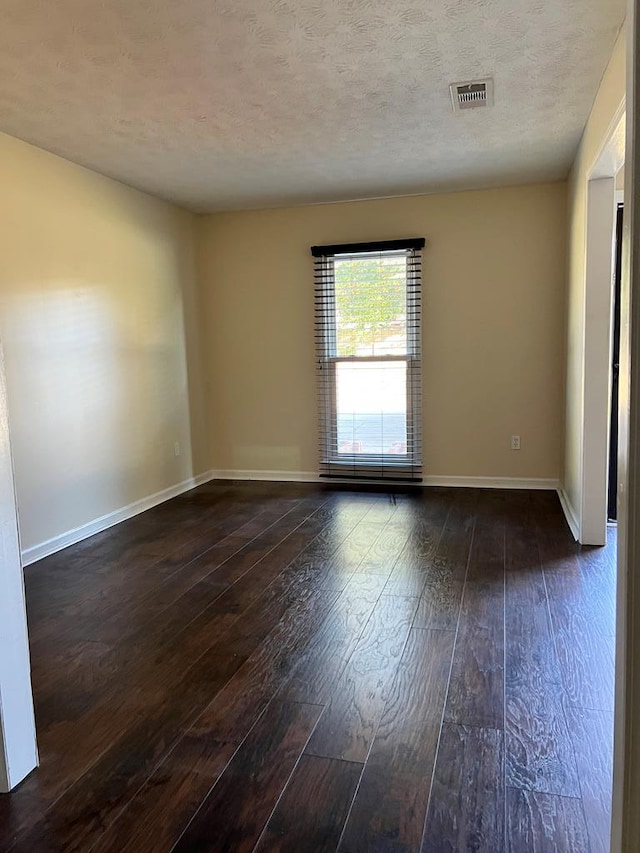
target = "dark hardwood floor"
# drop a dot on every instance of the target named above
(297, 668)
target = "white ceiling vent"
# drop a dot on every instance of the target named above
(471, 95)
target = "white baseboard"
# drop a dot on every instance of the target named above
(569, 513)
(459, 482)
(269, 476)
(533, 483)
(57, 543)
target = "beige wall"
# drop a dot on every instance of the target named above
(494, 297)
(608, 99)
(97, 283)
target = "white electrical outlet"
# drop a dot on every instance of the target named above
(515, 442)
(176, 448)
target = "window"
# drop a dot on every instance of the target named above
(369, 359)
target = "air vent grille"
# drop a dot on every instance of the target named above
(471, 95)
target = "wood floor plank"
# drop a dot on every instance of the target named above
(348, 559)
(423, 515)
(592, 737)
(544, 823)
(267, 669)
(408, 578)
(584, 652)
(250, 689)
(555, 540)
(384, 552)
(154, 631)
(524, 579)
(530, 652)
(440, 601)
(391, 803)
(79, 816)
(419, 688)
(162, 808)
(411, 568)
(347, 726)
(576, 583)
(598, 567)
(467, 806)
(389, 810)
(234, 814)
(409, 572)
(114, 577)
(384, 507)
(166, 650)
(476, 690)
(439, 604)
(163, 805)
(220, 518)
(106, 721)
(330, 650)
(321, 564)
(313, 807)
(487, 557)
(63, 568)
(539, 752)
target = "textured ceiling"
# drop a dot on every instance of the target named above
(219, 104)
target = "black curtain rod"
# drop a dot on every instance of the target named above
(380, 246)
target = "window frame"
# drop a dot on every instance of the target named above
(332, 462)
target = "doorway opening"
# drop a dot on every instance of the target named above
(612, 499)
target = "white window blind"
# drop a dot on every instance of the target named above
(369, 359)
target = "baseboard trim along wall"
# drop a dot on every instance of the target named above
(57, 543)
(569, 514)
(534, 483)
(454, 482)
(268, 476)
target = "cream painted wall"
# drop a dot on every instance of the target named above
(609, 97)
(97, 287)
(494, 299)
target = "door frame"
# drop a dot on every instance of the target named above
(18, 748)
(625, 823)
(598, 321)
